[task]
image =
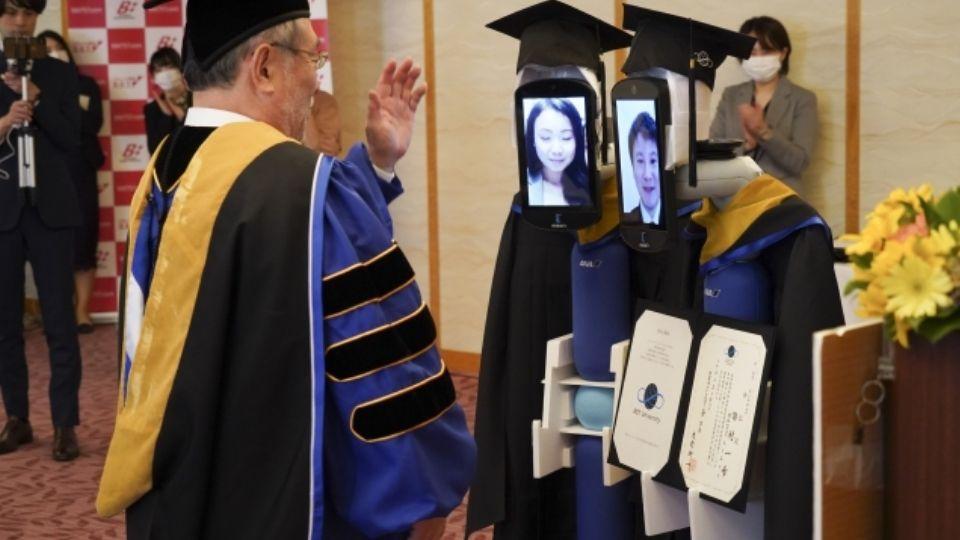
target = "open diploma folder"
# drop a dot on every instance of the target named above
(691, 401)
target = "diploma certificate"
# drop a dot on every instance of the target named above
(652, 386)
(717, 438)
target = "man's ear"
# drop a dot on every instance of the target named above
(265, 67)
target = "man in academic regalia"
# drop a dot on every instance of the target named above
(280, 372)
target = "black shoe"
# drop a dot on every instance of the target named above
(85, 328)
(65, 444)
(15, 433)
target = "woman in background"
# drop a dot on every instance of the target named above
(556, 155)
(776, 118)
(171, 99)
(83, 168)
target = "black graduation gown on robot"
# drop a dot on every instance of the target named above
(530, 303)
(767, 223)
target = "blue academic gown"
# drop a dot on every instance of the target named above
(309, 399)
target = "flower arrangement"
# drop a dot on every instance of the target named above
(907, 264)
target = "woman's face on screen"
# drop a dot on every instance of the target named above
(646, 171)
(554, 140)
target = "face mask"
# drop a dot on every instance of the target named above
(168, 79)
(762, 68)
(59, 55)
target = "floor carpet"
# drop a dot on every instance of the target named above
(41, 498)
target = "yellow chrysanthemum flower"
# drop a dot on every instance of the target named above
(927, 249)
(916, 289)
(872, 302)
(901, 332)
(911, 197)
(893, 252)
(862, 274)
(944, 240)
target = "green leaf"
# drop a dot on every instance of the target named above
(934, 218)
(935, 329)
(949, 311)
(854, 285)
(863, 261)
(949, 205)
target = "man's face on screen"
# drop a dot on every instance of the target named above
(646, 171)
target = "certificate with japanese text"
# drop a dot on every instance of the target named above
(722, 417)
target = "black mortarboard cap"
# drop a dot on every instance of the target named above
(554, 34)
(214, 27)
(666, 41)
(682, 45)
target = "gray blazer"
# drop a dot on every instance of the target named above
(791, 115)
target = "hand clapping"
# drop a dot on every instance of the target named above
(753, 122)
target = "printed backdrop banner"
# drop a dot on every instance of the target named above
(112, 40)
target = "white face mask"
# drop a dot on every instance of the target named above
(762, 68)
(168, 79)
(59, 54)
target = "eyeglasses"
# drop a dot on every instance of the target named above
(318, 59)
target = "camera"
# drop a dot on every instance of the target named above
(21, 52)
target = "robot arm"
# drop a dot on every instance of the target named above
(719, 180)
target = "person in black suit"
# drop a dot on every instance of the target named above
(171, 99)
(39, 228)
(83, 169)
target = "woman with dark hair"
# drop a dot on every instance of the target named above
(171, 99)
(83, 168)
(645, 161)
(776, 118)
(556, 155)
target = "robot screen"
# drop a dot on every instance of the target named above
(640, 166)
(556, 150)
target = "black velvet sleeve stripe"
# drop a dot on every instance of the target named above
(382, 347)
(367, 282)
(404, 411)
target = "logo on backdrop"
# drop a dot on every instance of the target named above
(86, 14)
(166, 36)
(89, 46)
(86, 47)
(131, 153)
(127, 45)
(126, 83)
(124, 184)
(125, 13)
(169, 14)
(105, 189)
(127, 9)
(167, 41)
